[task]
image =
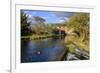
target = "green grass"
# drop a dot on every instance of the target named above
(35, 36)
(77, 41)
(70, 48)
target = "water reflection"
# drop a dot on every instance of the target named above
(49, 49)
(42, 50)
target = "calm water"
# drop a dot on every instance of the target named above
(42, 50)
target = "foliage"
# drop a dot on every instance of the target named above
(25, 25)
(80, 23)
(39, 25)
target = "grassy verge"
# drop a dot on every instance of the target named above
(71, 48)
(33, 37)
(77, 41)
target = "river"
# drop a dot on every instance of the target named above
(43, 50)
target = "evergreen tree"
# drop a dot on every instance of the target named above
(25, 25)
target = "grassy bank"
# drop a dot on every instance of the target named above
(35, 36)
(77, 42)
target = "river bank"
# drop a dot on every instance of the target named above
(34, 37)
(76, 41)
(69, 40)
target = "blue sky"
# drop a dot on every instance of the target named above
(49, 16)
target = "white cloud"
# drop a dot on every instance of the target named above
(29, 15)
(61, 21)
